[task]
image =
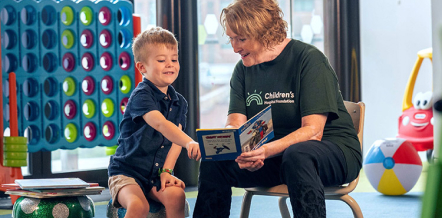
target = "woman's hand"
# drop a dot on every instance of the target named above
(193, 150)
(252, 160)
(168, 180)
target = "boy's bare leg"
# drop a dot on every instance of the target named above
(173, 198)
(132, 198)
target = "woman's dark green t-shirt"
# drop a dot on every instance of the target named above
(299, 82)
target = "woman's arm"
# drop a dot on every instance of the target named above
(312, 129)
(235, 120)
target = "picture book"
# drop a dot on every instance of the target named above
(51, 183)
(227, 144)
(50, 193)
(48, 188)
(8, 186)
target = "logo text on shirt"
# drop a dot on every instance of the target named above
(271, 98)
(279, 97)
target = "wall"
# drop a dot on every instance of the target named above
(392, 32)
(436, 5)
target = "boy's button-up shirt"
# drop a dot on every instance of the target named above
(142, 150)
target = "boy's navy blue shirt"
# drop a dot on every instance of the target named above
(141, 149)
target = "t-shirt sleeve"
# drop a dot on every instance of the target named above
(237, 102)
(319, 89)
(141, 103)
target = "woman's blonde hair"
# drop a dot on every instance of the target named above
(152, 36)
(257, 19)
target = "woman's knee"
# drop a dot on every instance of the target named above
(299, 153)
(216, 171)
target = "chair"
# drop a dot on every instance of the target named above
(357, 112)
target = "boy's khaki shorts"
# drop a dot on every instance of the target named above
(117, 182)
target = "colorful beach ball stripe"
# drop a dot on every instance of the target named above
(392, 166)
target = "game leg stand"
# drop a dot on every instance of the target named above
(67, 207)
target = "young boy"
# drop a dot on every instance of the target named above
(151, 135)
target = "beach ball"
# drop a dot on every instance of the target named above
(392, 166)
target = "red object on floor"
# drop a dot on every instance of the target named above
(415, 126)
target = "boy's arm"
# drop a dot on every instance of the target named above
(169, 130)
(173, 155)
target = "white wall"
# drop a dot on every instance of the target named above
(436, 6)
(392, 32)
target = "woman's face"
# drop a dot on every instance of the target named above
(251, 51)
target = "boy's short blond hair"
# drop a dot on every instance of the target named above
(152, 36)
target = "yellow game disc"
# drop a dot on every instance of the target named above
(15, 140)
(15, 147)
(111, 150)
(15, 163)
(15, 155)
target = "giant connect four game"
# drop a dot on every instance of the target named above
(74, 70)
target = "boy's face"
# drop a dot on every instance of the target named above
(161, 66)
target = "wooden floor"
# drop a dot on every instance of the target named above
(191, 192)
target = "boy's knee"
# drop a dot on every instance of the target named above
(175, 198)
(138, 208)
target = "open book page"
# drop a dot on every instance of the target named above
(256, 131)
(220, 142)
(227, 144)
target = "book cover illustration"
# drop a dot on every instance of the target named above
(227, 144)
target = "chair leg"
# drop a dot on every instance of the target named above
(283, 207)
(245, 207)
(357, 212)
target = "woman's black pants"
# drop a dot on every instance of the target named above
(306, 168)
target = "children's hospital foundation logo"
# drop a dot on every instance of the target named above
(271, 98)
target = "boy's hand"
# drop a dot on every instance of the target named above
(193, 150)
(168, 180)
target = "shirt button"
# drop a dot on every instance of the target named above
(162, 146)
(151, 181)
(170, 109)
(165, 98)
(156, 164)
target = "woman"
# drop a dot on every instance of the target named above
(315, 143)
